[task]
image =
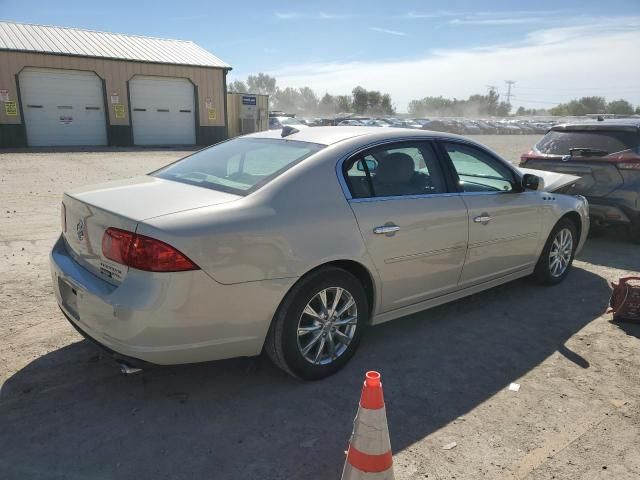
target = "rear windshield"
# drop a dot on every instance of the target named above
(238, 166)
(559, 143)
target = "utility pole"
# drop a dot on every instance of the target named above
(509, 84)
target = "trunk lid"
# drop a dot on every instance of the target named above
(123, 204)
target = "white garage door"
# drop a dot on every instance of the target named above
(162, 111)
(62, 107)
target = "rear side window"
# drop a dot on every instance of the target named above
(393, 171)
(239, 166)
(560, 142)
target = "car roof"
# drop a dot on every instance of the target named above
(331, 135)
(606, 124)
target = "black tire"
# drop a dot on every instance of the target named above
(542, 272)
(281, 344)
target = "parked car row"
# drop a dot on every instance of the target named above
(462, 126)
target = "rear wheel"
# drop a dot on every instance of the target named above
(318, 326)
(557, 256)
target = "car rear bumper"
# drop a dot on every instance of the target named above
(166, 318)
(607, 214)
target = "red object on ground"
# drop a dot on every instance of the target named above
(625, 300)
(369, 453)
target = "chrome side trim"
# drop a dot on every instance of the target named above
(431, 253)
(401, 197)
(501, 240)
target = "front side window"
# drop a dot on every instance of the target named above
(395, 171)
(240, 165)
(478, 171)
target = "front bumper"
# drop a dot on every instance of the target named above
(166, 318)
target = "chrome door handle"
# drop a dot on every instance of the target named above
(483, 219)
(386, 229)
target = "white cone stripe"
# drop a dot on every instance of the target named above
(370, 432)
(352, 473)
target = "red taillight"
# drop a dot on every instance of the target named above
(626, 160)
(143, 253)
(116, 244)
(525, 157)
(63, 218)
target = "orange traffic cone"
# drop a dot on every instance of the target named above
(369, 455)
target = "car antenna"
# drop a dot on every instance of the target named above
(286, 131)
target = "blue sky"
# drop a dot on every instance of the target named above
(554, 50)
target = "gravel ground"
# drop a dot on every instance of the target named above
(67, 413)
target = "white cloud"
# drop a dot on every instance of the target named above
(287, 15)
(495, 21)
(316, 16)
(387, 31)
(598, 55)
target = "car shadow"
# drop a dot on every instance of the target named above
(611, 248)
(71, 414)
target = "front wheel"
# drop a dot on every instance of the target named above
(318, 326)
(557, 256)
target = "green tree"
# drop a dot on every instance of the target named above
(287, 100)
(327, 104)
(360, 100)
(581, 106)
(594, 104)
(308, 100)
(343, 104)
(386, 105)
(620, 107)
(261, 83)
(238, 86)
(373, 101)
(503, 109)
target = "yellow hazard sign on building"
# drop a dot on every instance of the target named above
(118, 109)
(212, 113)
(11, 109)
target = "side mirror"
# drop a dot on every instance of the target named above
(371, 165)
(532, 182)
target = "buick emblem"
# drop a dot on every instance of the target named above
(566, 158)
(80, 230)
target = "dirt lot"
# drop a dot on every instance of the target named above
(66, 412)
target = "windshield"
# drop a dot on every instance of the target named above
(238, 166)
(560, 142)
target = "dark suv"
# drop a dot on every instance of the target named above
(606, 155)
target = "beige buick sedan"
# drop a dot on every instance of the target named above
(293, 241)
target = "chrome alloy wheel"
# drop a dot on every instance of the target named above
(560, 253)
(327, 325)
